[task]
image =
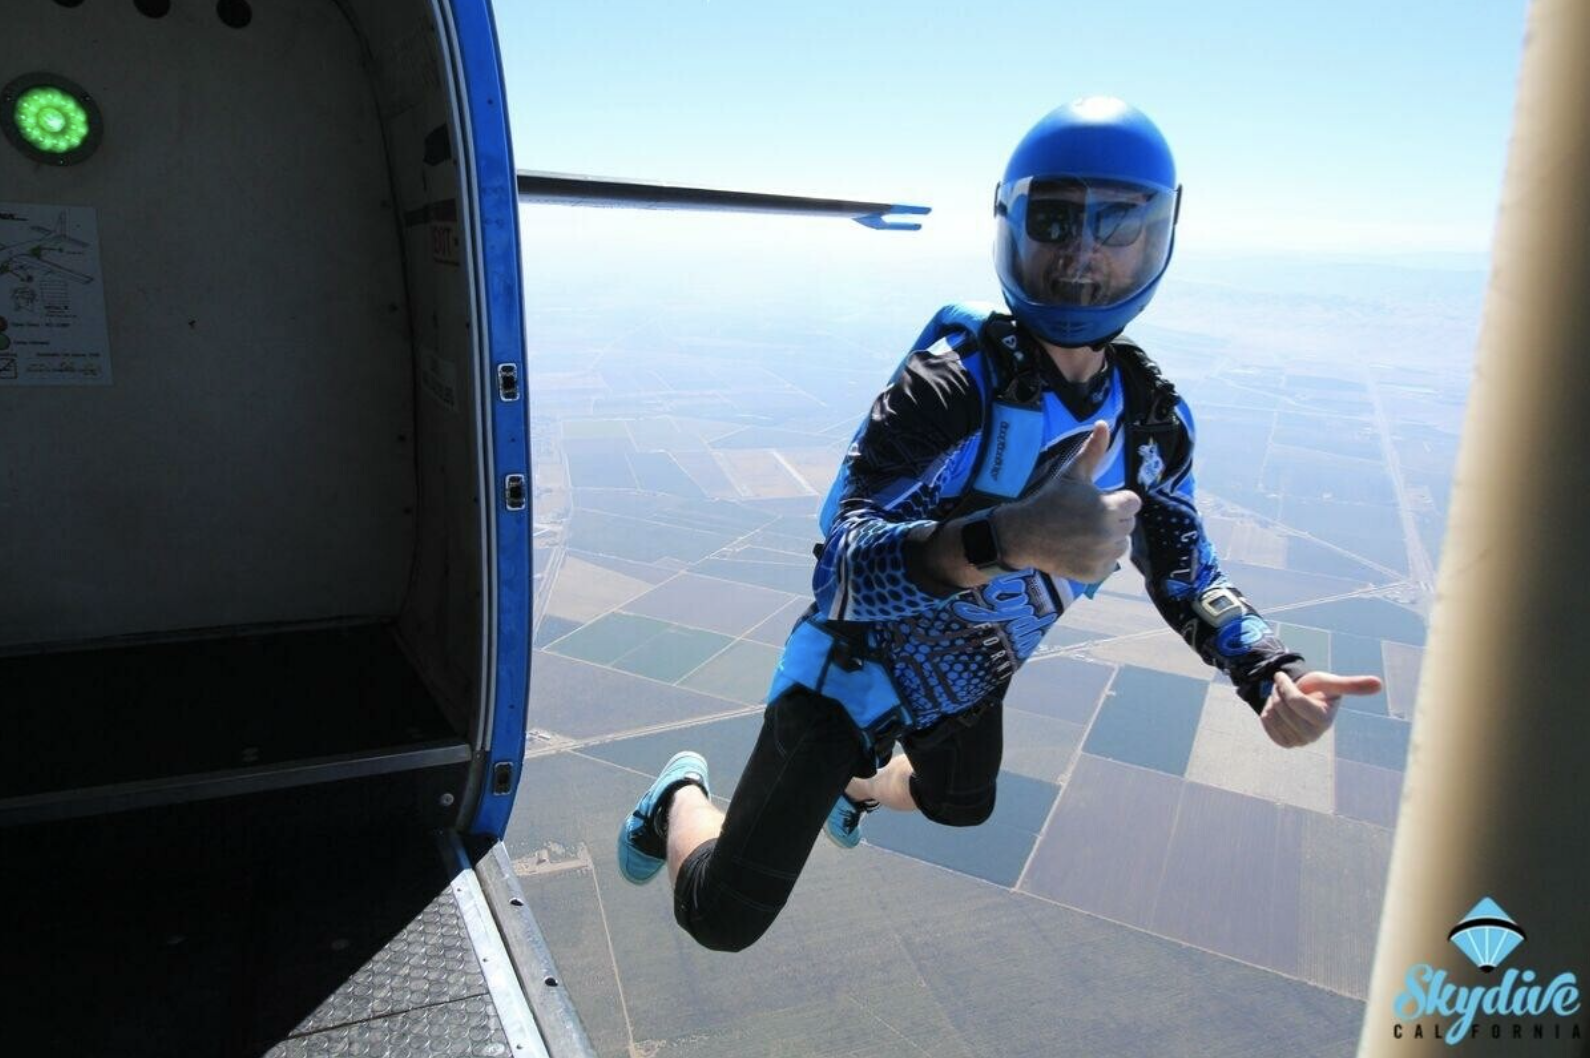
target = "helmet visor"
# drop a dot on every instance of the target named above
(1078, 243)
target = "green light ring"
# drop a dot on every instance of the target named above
(50, 119)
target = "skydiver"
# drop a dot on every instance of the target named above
(1007, 466)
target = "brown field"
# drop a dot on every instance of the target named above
(1114, 615)
(1249, 542)
(583, 592)
(704, 469)
(1104, 850)
(1402, 676)
(571, 921)
(1232, 877)
(816, 467)
(758, 474)
(1232, 752)
(1162, 652)
(1344, 884)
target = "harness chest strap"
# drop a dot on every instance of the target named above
(1012, 439)
(1151, 423)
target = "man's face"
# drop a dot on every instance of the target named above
(1084, 243)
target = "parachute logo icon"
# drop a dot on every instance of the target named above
(1486, 935)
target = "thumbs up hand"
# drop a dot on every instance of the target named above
(1090, 457)
(1298, 713)
(1067, 527)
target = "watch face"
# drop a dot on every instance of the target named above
(1220, 604)
(979, 544)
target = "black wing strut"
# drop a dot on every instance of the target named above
(572, 190)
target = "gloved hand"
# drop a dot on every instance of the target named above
(1067, 527)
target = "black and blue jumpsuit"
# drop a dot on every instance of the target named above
(951, 656)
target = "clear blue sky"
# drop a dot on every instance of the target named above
(1350, 125)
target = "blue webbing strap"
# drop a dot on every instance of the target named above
(825, 662)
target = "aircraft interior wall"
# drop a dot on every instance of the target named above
(247, 530)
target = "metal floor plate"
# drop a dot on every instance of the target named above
(429, 965)
(465, 1028)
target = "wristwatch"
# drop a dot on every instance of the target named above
(1219, 606)
(980, 545)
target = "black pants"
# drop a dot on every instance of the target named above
(731, 889)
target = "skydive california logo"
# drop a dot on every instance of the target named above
(1487, 936)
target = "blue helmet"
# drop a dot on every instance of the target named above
(1085, 221)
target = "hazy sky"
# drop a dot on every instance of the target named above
(1353, 125)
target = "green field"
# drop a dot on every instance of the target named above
(644, 646)
(1313, 643)
(741, 673)
(607, 638)
(671, 654)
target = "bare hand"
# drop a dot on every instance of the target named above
(1068, 528)
(1300, 712)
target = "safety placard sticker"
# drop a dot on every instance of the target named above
(52, 298)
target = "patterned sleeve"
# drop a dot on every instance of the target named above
(1173, 552)
(889, 483)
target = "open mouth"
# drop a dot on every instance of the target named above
(1074, 291)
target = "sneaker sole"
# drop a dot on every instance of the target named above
(837, 843)
(829, 834)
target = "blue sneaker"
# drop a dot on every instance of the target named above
(642, 849)
(844, 821)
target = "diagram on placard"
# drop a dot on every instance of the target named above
(54, 331)
(32, 257)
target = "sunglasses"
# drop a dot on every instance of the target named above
(1058, 220)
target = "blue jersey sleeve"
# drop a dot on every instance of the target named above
(1178, 563)
(891, 480)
